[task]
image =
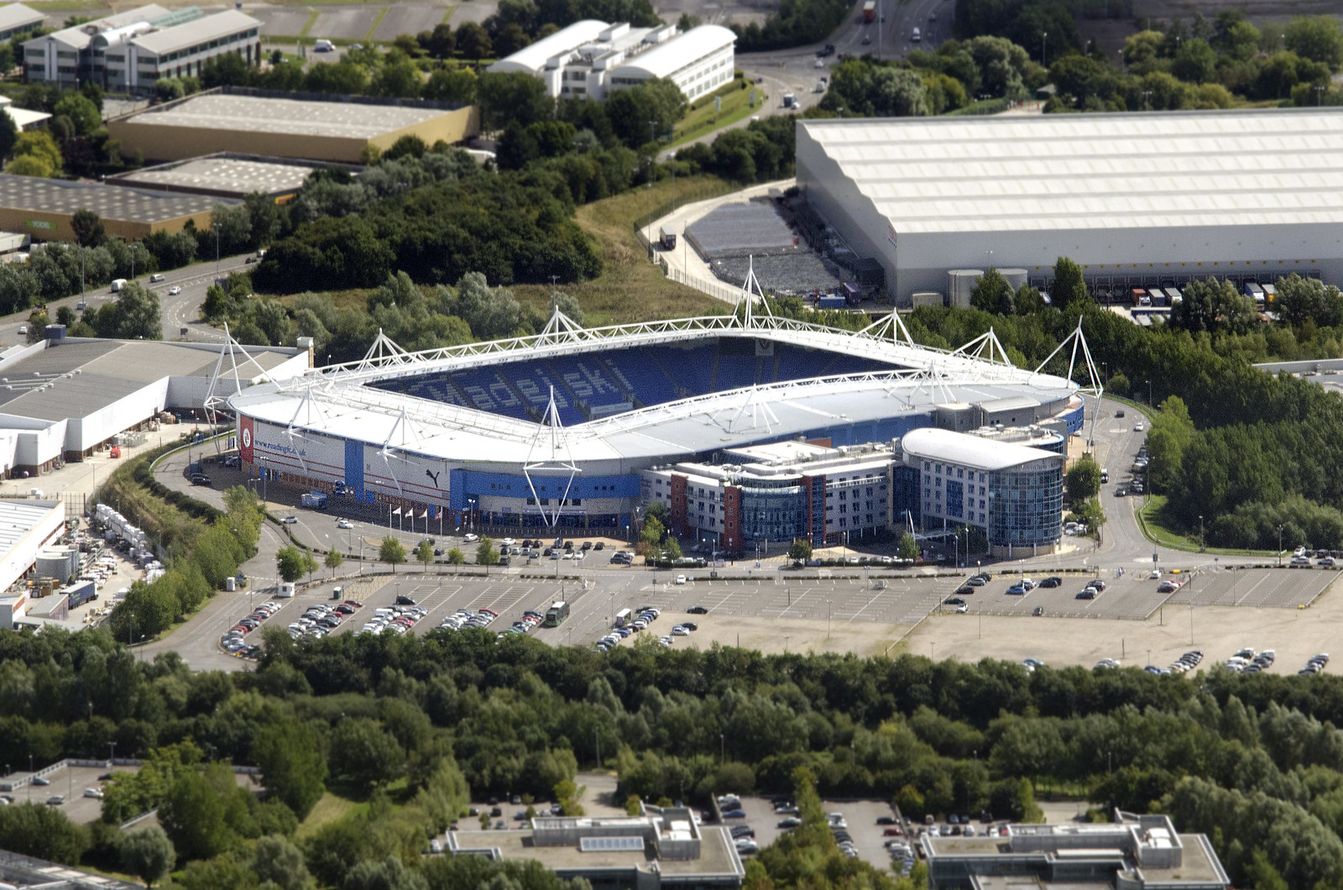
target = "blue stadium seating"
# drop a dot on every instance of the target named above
(590, 385)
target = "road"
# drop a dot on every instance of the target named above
(181, 310)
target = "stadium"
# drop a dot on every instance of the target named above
(567, 428)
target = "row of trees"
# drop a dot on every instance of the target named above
(416, 726)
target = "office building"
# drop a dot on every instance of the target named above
(590, 59)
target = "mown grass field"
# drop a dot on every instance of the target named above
(704, 117)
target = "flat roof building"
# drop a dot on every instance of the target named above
(222, 175)
(130, 51)
(43, 208)
(665, 848)
(1164, 196)
(16, 19)
(324, 130)
(1132, 853)
(589, 59)
(26, 528)
(61, 399)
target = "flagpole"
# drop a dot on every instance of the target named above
(389, 517)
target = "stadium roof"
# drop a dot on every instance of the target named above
(667, 58)
(228, 111)
(221, 24)
(970, 451)
(1093, 171)
(336, 401)
(533, 58)
(40, 195)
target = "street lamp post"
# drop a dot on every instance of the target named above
(1279, 545)
(1201, 544)
(1044, 55)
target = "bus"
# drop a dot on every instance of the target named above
(556, 614)
(622, 618)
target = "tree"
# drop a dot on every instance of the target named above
(293, 563)
(292, 764)
(387, 874)
(908, 548)
(1317, 38)
(43, 832)
(134, 315)
(1083, 479)
(81, 112)
(512, 99)
(993, 294)
(456, 557)
(1214, 306)
(1300, 299)
(424, 552)
(391, 551)
(800, 551)
(89, 231)
(277, 862)
(200, 810)
(35, 154)
(486, 553)
(363, 754)
(473, 42)
(1092, 514)
(9, 135)
(647, 112)
(332, 561)
(148, 854)
(1069, 286)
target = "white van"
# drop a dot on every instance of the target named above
(916, 36)
(323, 45)
(285, 589)
(118, 284)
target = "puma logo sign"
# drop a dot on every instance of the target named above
(433, 476)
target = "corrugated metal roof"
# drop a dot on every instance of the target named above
(970, 451)
(18, 518)
(298, 116)
(192, 33)
(1084, 171)
(668, 58)
(531, 59)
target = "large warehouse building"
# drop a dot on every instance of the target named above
(1146, 198)
(61, 398)
(577, 428)
(342, 131)
(44, 208)
(589, 59)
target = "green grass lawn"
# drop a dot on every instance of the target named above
(329, 808)
(1150, 520)
(631, 288)
(704, 117)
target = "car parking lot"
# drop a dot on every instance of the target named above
(860, 822)
(1259, 588)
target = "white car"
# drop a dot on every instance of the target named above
(1139, 427)
(94, 792)
(680, 579)
(174, 290)
(471, 538)
(344, 523)
(290, 520)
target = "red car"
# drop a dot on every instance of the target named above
(894, 831)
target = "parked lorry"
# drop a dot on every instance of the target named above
(869, 11)
(666, 238)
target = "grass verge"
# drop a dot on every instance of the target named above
(1150, 521)
(631, 288)
(377, 22)
(704, 117)
(329, 808)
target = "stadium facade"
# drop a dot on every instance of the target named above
(570, 428)
(1141, 199)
